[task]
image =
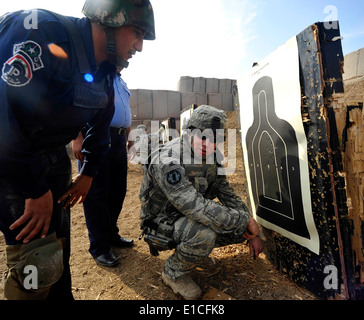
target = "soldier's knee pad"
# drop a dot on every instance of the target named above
(33, 268)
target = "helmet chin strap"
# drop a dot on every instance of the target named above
(111, 49)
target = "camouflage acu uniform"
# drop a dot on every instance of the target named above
(184, 193)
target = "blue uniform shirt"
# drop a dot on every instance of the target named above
(122, 116)
(44, 99)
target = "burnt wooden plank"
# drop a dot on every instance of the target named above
(332, 58)
(317, 64)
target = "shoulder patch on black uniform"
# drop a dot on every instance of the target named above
(174, 177)
(18, 70)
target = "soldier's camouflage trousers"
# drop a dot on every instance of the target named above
(194, 244)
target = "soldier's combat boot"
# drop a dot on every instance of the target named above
(184, 286)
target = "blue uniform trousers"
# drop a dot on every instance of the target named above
(57, 168)
(105, 198)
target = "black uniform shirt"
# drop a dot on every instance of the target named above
(44, 99)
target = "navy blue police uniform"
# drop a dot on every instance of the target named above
(46, 99)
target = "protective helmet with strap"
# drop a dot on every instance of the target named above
(117, 13)
(207, 117)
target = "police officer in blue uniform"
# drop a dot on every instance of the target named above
(55, 79)
(105, 198)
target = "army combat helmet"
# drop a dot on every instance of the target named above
(117, 13)
(207, 117)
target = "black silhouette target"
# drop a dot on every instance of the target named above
(273, 158)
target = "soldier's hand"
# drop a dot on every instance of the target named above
(77, 192)
(256, 247)
(252, 230)
(37, 216)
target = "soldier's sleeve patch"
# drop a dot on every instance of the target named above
(174, 177)
(18, 70)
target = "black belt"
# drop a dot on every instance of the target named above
(118, 131)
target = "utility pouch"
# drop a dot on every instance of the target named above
(157, 243)
(33, 268)
(158, 233)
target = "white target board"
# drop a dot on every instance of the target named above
(275, 146)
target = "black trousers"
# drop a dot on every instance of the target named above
(105, 198)
(12, 203)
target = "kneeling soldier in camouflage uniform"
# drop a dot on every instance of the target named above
(178, 210)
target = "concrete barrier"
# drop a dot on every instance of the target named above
(147, 105)
(174, 104)
(205, 85)
(189, 98)
(166, 104)
(160, 104)
(225, 86)
(199, 85)
(354, 65)
(212, 85)
(141, 104)
(185, 84)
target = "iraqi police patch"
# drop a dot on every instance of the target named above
(18, 70)
(174, 177)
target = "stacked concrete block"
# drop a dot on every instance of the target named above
(185, 84)
(360, 70)
(134, 104)
(199, 85)
(225, 86)
(212, 85)
(174, 104)
(166, 104)
(215, 100)
(205, 85)
(147, 105)
(141, 104)
(354, 65)
(221, 101)
(201, 98)
(160, 104)
(228, 102)
(189, 98)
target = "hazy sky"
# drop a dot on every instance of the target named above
(218, 38)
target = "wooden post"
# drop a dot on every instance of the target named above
(336, 188)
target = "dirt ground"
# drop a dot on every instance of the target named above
(138, 276)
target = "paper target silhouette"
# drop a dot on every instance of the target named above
(275, 147)
(274, 164)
